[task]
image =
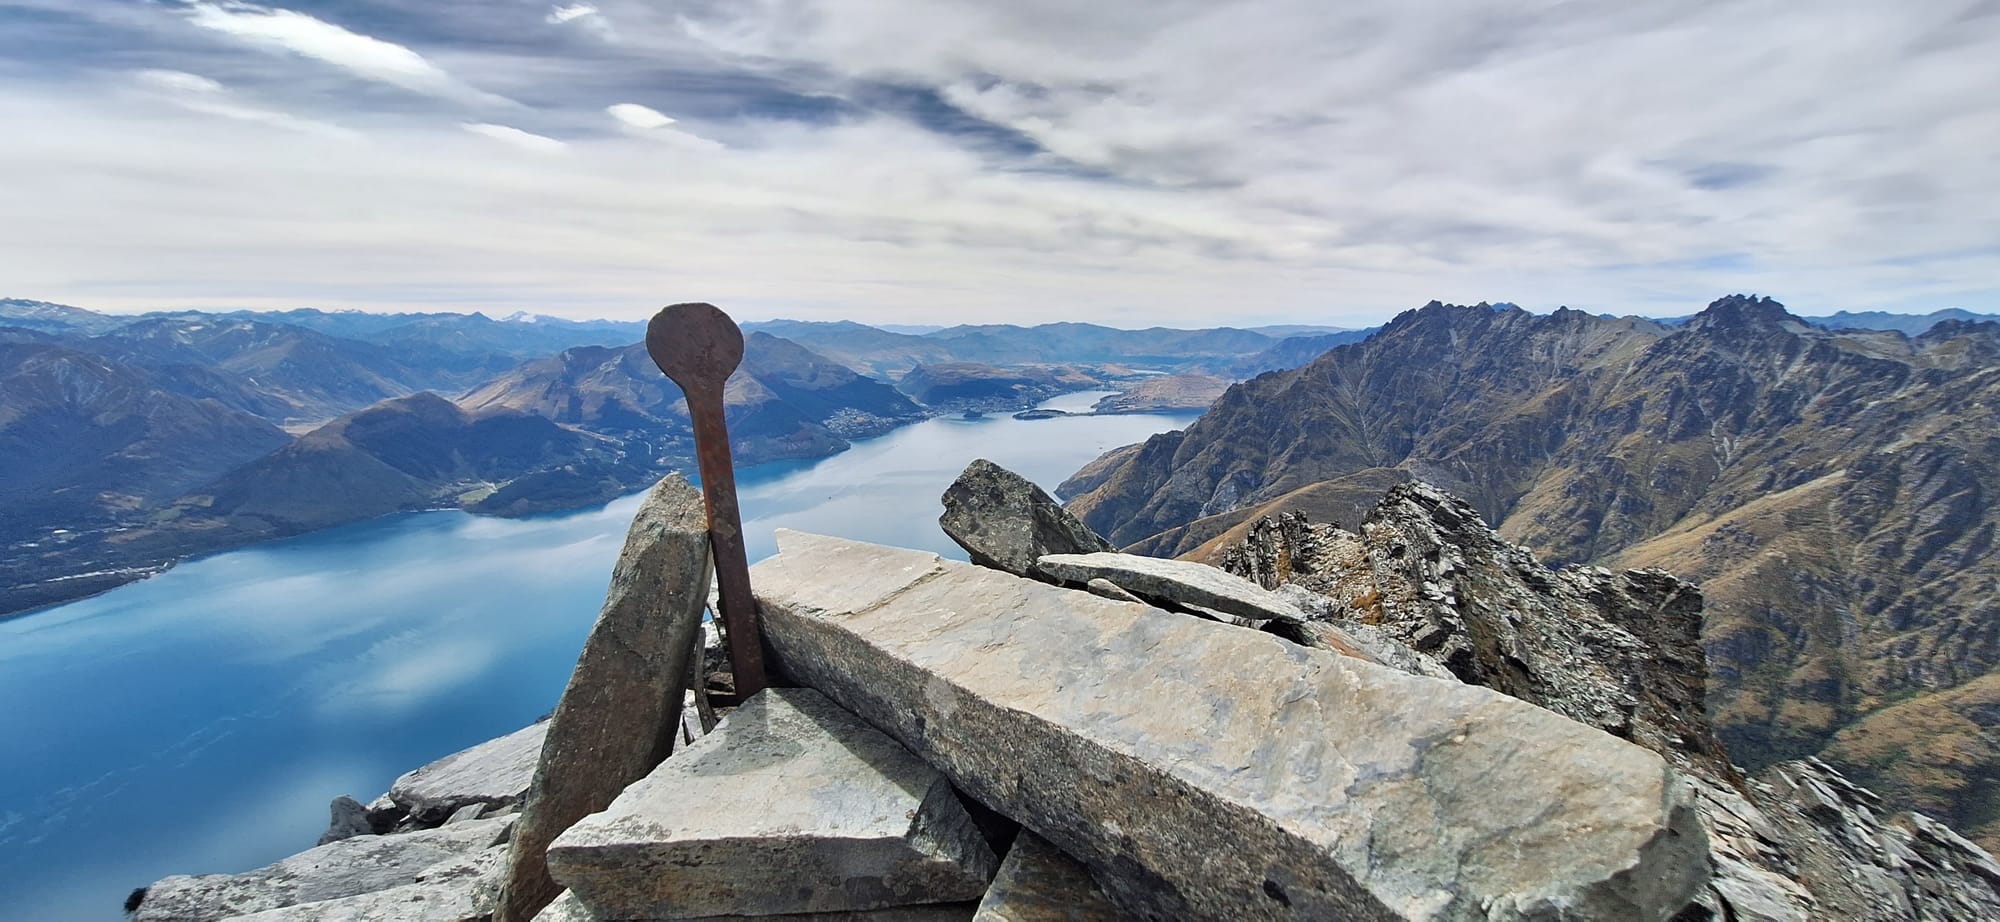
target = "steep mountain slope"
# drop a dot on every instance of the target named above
(84, 442)
(784, 401)
(867, 349)
(1291, 352)
(418, 451)
(314, 376)
(1832, 491)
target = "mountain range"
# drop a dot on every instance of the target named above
(1832, 491)
(128, 442)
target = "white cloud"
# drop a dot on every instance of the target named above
(638, 116)
(196, 93)
(562, 14)
(1309, 161)
(526, 140)
(361, 55)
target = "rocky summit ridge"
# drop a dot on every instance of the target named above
(1831, 491)
(1414, 721)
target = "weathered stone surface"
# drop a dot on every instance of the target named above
(1038, 883)
(567, 908)
(467, 813)
(495, 772)
(1621, 651)
(460, 890)
(1327, 788)
(1006, 522)
(350, 819)
(362, 864)
(621, 713)
(1110, 590)
(1177, 582)
(792, 805)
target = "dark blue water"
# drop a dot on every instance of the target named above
(200, 721)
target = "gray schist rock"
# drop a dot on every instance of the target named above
(460, 890)
(495, 773)
(350, 819)
(362, 864)
(1038, 883)
(1177, 582)
(1110, 590)
(1327, 788)
(1006, 522)
(792, 805)
(567, 908)
(621, 713)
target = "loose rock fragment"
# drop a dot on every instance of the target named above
(792, 805)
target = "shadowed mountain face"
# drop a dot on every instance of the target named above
(84, 443)
(1833, 492)
(412, 452)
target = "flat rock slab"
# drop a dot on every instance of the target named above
(1181, 582)
(362, 864)
(1005, 521)
(567, 908)
(621, 712)
(792, 805)
(1038, 883)
(496, 773)
(1328, 788)
(461, 890)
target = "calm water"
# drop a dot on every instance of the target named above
(200, 721)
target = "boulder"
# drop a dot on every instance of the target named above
(350, 819)
(1006, 522)
(363, 864)
(460, 890)
(1329, 787)
(792, 805)
(1174, 582)
(622, 711)
(495, 773)
(1038, 883)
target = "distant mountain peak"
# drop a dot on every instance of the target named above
(1746, 312)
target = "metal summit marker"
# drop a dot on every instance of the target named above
(697, 345)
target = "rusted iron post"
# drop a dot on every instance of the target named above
(697, 345)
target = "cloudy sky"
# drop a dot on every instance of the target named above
(1121, 161)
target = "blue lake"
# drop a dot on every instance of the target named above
(200, 721)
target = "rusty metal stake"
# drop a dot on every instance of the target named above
(697, 345)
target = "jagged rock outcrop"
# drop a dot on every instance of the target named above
(1830, 491)
(349, 818)
(1621, 651)
(792, 806)
(621, 712)
(1005, 521)
(1327, 788)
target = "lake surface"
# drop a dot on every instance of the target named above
(200, 721)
